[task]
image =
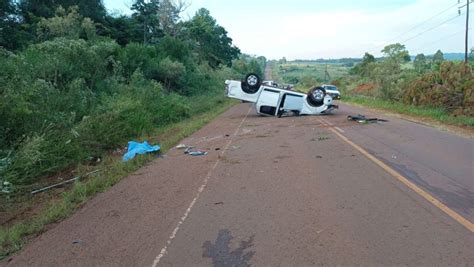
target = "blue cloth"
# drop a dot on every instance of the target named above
(135, 148)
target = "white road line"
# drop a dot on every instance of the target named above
(339, 129)
(164, 250)
(327, 122)
(322, 122)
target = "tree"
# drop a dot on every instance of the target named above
(7, 9)
(396, 52)
(123, 29)
(68, 24)
(169, 72)
(420, 63)
(12, 35)
(438, 57)
(168, 15)
(367, 59)
(33, 10)
(212, 41)
(247, 64)
(363, 68)
(146, 13)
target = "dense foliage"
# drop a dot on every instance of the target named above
(76, 82)
(428, 81)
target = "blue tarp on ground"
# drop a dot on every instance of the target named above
(135, 148)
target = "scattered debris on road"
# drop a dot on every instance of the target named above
(194, 152)
(363, 119)
(136, 148)
(76, 242)
(190, 150)
(181, 146)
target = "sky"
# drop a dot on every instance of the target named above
(312, 29)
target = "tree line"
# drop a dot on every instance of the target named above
(77, 81)
(427, 81)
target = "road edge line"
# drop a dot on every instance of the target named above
(164, 250)
(451, 213)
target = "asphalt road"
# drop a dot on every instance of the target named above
(295, 191)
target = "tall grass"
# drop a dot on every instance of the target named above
(112, 171)
(67, 101)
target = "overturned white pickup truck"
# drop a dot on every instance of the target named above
(275, 101)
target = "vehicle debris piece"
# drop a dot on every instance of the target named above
(197, 153)
(194, 152)
(76, 242)
(363, 119)
(181, 146)
(135, 148)
(62, 183)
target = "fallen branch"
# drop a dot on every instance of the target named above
(62, 183)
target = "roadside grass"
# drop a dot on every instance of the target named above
(294, 72)
(112, 170)
(436, 114)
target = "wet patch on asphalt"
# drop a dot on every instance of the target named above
(221, 253)
(462, 199)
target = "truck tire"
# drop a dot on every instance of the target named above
(316, 96)
(251, 83)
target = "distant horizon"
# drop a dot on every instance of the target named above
(310, 29)
(315, 59)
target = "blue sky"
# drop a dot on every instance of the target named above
(309, 29)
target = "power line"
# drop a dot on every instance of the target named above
(417, 26)
(423, 22)
(439, 40)
(470, 2)
(432, 28)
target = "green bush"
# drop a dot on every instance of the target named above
(451, 88)
(62, 60)
(65, 101)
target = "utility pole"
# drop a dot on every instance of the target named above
(466, 42)
(327, 77)
(467, 32)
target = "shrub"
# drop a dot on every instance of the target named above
(451, 88)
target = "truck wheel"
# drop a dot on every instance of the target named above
(251, 83)
(316, 96)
